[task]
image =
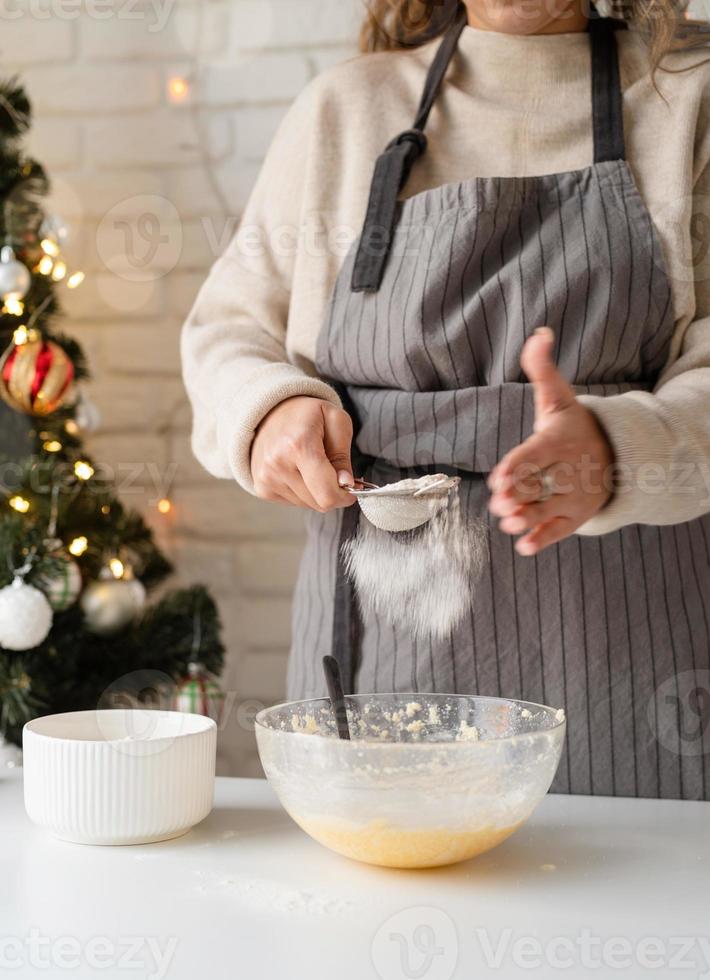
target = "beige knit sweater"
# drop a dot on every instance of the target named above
(511, 105)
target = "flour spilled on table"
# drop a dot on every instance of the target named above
(271, 896)
(419, 580)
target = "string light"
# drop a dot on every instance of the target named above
(105, 509)
(165, 506)
(78, 546)
(21, 335)
(75, 279)
(19, 504)
(49, 247)
(71, 427)
(59, 270)
(52, 446)
(178, 89)
(15, 307)
(45, 265)
(116, 566)
(83, 470)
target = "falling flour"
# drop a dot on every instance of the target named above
(420, 580)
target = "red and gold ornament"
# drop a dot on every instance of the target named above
(35, 376)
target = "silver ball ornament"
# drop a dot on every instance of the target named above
(110, 604)
(25, 616)
(15, 278)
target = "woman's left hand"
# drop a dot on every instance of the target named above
(552, 483)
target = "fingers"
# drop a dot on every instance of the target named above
(320, 479)
(324, 463)
(277, 494)
(301, 491)
(552, 393)
(337, 443)
(300, 451)
(529, 516)
(518, 476)
(544, 535)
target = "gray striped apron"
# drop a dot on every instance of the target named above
(423, 339)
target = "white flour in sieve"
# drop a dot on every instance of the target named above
(419, 580)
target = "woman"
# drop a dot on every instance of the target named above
(530, 317)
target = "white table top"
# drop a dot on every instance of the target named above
(589, 887)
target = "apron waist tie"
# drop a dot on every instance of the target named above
(469, 429)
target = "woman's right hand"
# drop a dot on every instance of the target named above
(301, 455)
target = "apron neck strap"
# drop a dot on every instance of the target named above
(393, 166)
(607, 97)
(439, 66)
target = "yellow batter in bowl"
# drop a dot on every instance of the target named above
(395, 847)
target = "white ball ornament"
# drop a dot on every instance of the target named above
(15, 278)
(25, 616)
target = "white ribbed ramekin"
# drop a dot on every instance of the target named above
(121, 776)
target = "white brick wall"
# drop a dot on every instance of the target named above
(118, 148)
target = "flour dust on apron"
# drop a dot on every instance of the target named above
(423, 340)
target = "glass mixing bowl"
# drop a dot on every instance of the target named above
(427, 779)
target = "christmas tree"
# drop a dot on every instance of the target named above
(75, 564)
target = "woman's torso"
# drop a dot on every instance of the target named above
(535, 123)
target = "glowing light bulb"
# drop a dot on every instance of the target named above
(116, 566)
(78, 546)
(75, 279)
(59, 270)
(83, 470)
(52, 446)
(178, 89)
(105, 509)
(13, 306)
(49, 247)
(71, 427)
(45, 265)
(21, 335)
(19, 504)
(165, 506)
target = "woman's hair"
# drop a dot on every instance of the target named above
(391, 24)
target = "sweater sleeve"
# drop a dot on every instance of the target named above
(661, 439)
(234, 354)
